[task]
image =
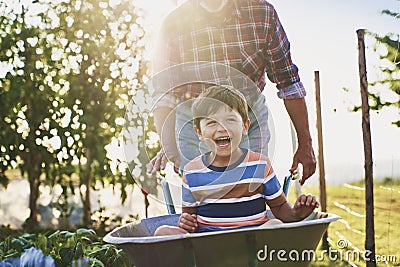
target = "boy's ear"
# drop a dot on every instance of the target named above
(246, 126)
(198, 132)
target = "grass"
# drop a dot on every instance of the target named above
(349, 203)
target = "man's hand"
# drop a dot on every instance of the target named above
(188, 222)
(159, 162)
(305, 156)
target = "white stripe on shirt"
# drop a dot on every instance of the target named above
(233, 219)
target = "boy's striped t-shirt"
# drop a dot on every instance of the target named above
(232, 196)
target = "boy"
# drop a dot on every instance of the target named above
(227, 187)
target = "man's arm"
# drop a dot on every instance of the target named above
(282, 71)
(164, 120)
(297, 110)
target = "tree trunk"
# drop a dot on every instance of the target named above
(32, 221)
(33, 161)
(33, 164)
(87, 181)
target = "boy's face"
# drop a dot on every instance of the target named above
(223, 131)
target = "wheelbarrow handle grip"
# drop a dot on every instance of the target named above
(286, 182)
(167, 196)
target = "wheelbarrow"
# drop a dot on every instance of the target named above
(288, 244)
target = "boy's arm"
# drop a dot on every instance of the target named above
(188, 218)
(283, 211)
(190, 210)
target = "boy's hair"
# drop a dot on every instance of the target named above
(215, 97)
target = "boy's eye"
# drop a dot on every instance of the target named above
(210, 123)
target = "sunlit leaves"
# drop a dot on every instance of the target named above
(67, 69)
(389, 48)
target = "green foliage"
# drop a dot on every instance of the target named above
(66, 248)
(386, 181)
(103, 222)
(67, 75)
(391, 71)
(389, 181)
(31, 128)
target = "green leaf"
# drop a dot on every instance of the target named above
(95, 262)
(18, 245)
(67, 255)
(78, 250)
(54, 235)
(12, 255)
(83, 231)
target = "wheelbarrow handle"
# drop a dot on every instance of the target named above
(286, 182)
(167, 196)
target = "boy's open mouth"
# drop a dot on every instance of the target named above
(223, 141)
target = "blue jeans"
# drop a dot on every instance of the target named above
(190, 146)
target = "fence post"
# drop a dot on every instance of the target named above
(369, 182)
(321, 163)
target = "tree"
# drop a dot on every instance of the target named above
(108, 44)
(67, 74)
(32, 128)
(391, 71)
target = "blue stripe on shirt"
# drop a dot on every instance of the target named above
(230, 176)
(272, 186)
(187, 195)
(232, 210)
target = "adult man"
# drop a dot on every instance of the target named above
(245, 35)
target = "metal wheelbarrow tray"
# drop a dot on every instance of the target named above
(288, 244)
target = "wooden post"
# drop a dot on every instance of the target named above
(369, 182)
(321, 163)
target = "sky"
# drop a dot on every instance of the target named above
(323, 38)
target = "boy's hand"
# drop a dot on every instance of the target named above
(188, 222)
(305, 205)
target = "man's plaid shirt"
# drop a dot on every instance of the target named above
(247, 36)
